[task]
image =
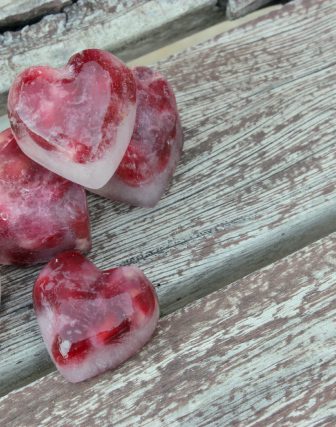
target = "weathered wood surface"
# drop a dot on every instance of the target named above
(237, 8)
(256, 182)
(20, 11)
(4, 123)
(129, 28)
(259, 353)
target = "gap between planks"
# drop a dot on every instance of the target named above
(256, 182)
(20, 12)
(238, 8)
(260, 352)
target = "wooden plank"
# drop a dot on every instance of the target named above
(19, 11)
(260, 352)
(256, 182)
(237, 8)
(199, 37)
(182, 44)
(129, 28)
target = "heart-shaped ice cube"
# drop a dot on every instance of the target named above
(76, 121)
(155, 148)
(92, 320)
(41, 213)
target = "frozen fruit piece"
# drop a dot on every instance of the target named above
(76, 121)
(155, 148)
(41, 213)
(92, 320)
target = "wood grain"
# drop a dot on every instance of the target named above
(237, 8)
(21, 11)
(129, 28)
(259, 353)
(257, 179)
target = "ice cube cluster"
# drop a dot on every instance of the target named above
(116, 131)
(95, 116)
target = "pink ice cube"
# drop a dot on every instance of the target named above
(155, 148)
(92, 320)
(40, 212)
(76, 121)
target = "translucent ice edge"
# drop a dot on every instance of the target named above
(100, 360)
(94, 174)
(148, 194)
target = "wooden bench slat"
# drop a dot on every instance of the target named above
(260, 351)
(17, 11)
(237, 8)
(129, 29)
(256, 182)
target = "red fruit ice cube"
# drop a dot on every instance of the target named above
(41, 213)
(155, 148)
(76, 121)
(92, 320)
